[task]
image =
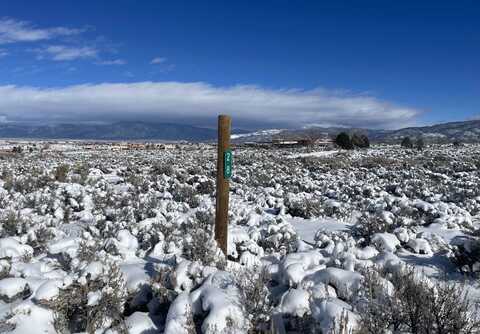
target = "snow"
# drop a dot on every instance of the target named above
(10, 247)
(141, 323)
(306, 228)
(345, 282)
(386, 242)
(12, 287)
(48, 291)
(295, 302)
(30, 318)
(297, 215)
(314, 154)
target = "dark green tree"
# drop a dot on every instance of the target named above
(343, 140)
(407, 142)
(419, 143)
(360, 140)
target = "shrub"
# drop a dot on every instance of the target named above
(256, 298)
(415, 306)
(42, 236)
(185, 194)
(199, 242)
(17, 149)
(73, 313)
(82, 170)
(466, 256)
(367, 225)
(163, 168)
(5, 266)
(305, 207)
(10, 225)
(343, 140)
(206, 187)
(61, 172)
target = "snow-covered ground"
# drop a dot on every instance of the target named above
(122, 241)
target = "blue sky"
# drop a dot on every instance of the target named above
(268, 63)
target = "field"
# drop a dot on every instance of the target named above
(382, 240)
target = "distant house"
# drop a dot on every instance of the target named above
(303, 142)
(289, 143)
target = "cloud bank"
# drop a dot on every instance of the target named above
(199, 103)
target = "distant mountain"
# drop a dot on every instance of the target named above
(115, 131)
(467, 131)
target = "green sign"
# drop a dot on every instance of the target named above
(227, 164)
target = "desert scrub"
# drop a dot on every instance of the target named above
(61, 172)
(253, 284)
(185, 194)
(466, 256)
(41, 238)
(96, 304)
(369, 224)
(5, 266)
(81, 171)
(11, 224)
(303, 207)
(414, 305)
(206, 187)
(199, 243)
(163, 168)
(277, 235)
(88, 250)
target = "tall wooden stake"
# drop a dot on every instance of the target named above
(221, 215)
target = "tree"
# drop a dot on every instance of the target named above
(420, 143)
(457, 143)
(407, 142)
(343, 140)
(360, 140)
(17, 149)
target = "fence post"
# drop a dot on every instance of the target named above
(224, 164)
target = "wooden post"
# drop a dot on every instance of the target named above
(221, 214)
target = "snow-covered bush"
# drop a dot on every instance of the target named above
(163, 168)
(369, 224)
(466, 255)
(313, 219)
(92, 303)
(253, 284)
(185, 194)
(405, 301)
(304, 207)
(199, 243)
(61, 172)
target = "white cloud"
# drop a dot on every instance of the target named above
(112, 62)
(158, 60)
(200, 103)
(12, 31)
(63, 52)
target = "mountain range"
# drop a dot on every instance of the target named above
(111, 131)
(467, 131)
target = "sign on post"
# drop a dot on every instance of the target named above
(227, 164)
(224, 172)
